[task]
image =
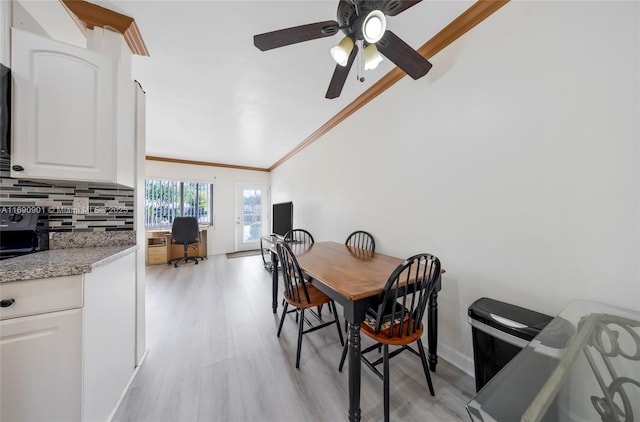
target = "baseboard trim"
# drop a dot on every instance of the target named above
(222, 251)
(457, 359)
(124, 392)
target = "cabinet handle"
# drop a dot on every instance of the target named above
(17, 167)
(5, 303)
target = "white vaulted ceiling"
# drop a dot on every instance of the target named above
(212, 96)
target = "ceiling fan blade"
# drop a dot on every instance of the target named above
(395, 7)
(340, 76)
(405, 57)
(296, 34)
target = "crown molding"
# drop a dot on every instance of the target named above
(91, 15)
(471, 17)
(203, 163)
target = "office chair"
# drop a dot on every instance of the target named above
(185, 231)
(397, 321)
(301, 294)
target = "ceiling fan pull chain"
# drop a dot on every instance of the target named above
(360, 59)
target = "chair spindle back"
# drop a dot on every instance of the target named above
(298, 236)
(294, 282)
(407, 294)
(361, 239)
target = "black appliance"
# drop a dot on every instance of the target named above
(23, 231)
(5, 120)
(500, 331)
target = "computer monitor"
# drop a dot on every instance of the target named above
(282, 218)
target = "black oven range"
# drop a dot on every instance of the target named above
(23, 230)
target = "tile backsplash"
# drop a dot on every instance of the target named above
(108, 209)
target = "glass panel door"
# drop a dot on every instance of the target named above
(250, 216)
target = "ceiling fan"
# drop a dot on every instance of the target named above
(364, 22)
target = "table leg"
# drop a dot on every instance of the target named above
(354, 313)
(432, 327)
(354, 372)
(274, 281)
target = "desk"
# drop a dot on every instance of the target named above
(354, 278)
(177, 250)
(584, 365)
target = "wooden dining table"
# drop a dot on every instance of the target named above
(354, 278)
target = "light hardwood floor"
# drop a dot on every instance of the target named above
(214, 356)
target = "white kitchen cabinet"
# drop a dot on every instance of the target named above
(41, 373)
(108, 336)
(73, 114)
(40, 349)
(67, 344)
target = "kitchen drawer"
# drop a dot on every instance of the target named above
(39, 296)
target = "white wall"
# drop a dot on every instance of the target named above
(221, 237)
(515, 160)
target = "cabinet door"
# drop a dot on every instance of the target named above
(64, 111)
(41, 361)
(108, 334)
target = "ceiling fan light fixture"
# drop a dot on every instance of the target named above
(372, 57)
(341, 52)
(374, 26)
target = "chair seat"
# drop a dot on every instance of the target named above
(395, 339)
(316, 297)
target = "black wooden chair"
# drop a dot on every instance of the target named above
(302, 295)
(361, 239)
(185, 231)
(397, 321)
(298, 236)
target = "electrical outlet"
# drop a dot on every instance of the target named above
(81, 205)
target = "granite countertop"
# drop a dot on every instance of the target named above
(60, 262)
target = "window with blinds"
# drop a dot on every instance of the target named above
(167, 199)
